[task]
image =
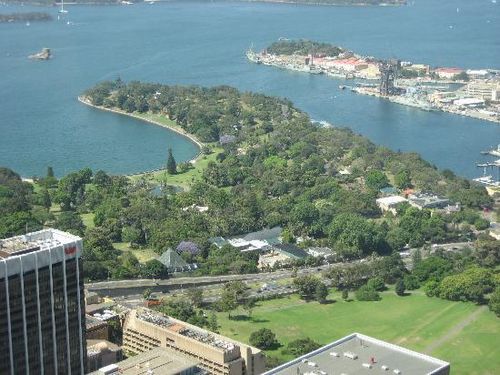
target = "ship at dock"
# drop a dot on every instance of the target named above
(253, 57)
(491, 183)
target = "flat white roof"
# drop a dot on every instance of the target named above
(393, 199)
(361, 354)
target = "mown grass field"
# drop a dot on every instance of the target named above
(194, 174)
(142, 255)
(415, 321)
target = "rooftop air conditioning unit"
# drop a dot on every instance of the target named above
(350, 355)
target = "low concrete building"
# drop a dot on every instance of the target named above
(157, 361)
(145, 329)
(92, 298)
(390, 204)
(101, 353)
(271, 259)
(96, 329)
(360, 354)
(427, 200)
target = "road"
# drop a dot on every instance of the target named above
(136, 287)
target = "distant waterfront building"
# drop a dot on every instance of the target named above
(42, 321)
(448, 73)
(483, 90)
(359, 354)
(145, 329)
(469, 103)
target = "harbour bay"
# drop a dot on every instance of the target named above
(194, 43)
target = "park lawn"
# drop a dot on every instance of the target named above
(475, 350)
(185, 179)
(194, 174)
(414, 321)
(142, 255)
(88, 220)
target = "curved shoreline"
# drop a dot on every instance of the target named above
(179, 131)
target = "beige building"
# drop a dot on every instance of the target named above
(101, 353)
(271, 258)
(483, 90)
(157, 361)
(145, 329)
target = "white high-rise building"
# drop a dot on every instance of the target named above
(42, 319)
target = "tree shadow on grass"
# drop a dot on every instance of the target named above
(259, 320)
(246, 318)
(240, 317)
(329, 302)
(275, 346)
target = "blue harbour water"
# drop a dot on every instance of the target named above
(42, 123)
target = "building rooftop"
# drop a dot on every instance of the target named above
(389, 201)
(96, 346)
(92, 323)
(427, 200)
(360, 354)
(158, 361)
(41, 240)
(173, 325)
(270, 235)
(291, 250)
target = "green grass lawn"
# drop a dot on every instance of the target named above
(88, 220)
(413, 321)
(185, 179)
(143, 255)
(181, 179)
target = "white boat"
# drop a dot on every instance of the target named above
(488, 181)
(62, 10)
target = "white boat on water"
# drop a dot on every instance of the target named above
(253, 57)
(487, 180)
(62, 10)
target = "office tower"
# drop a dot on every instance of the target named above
(42, 311)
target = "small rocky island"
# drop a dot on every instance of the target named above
(44, 54)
